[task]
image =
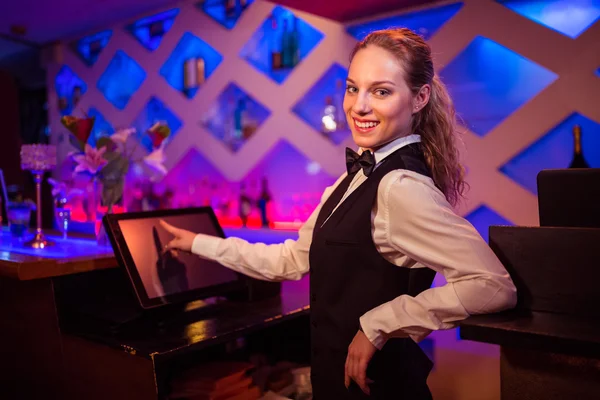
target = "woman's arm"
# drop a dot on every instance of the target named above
(415, 220)
(276, 262)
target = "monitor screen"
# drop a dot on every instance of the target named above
(165, 277)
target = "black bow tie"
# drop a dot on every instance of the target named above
(354, 162)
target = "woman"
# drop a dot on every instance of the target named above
(381, 233)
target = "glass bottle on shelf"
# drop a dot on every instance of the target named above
(95, 47)
(190, 74)
(156, 29)
(286, 46)
(263, 201)
(230, 8)
(245, 205)
(578, 161)
(76, 95)
(238, 119)
(339, 105)
(328, 117)
(295, 42)
(200, 71)
(276, 42)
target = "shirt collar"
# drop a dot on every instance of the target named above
(394, 145)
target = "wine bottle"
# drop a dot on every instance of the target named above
(190, 74)
(578, 161)
(238, 119)
(286, 46)
(156, 29)
(339, 105)
(295, 42)
(245, 205)
(263, 200)
(328, 118)
(276, 56)
(230, 8)
(200, 71)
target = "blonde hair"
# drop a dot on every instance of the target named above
(436, 122)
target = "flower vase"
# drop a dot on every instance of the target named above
(101, 209)
(96, 212)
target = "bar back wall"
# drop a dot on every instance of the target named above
(521, 76)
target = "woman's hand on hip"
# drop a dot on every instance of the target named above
(182, 239)
(360, 352)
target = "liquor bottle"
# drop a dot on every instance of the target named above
(190, 75)
(230, 8)
(200, 70)
(238, 119)
(340, 116)
(156, 29)
(295, 43)
(328, 118)
(578, 160)
(95, 49)
(76, 96)
(276, 49)
(263, 201)
(245, 206)
(286, 46)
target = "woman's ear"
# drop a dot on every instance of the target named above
(422, 98)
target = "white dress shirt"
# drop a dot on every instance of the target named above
(413, 226)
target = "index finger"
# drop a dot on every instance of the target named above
(169, 228)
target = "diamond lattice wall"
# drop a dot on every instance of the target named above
(572, 87)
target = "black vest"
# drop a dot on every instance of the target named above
(348, 277)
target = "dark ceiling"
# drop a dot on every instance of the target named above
(347, 10)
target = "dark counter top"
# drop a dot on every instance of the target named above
(536, 330)
(217, 324)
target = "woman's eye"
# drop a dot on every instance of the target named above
(351, 89)
(381, 92)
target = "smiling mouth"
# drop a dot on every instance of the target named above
(365, 126)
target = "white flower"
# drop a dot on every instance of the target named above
(121, 135)
(156, 160)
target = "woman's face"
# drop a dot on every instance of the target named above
(378, 103)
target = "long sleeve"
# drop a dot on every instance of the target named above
(413, 222)
(276, 262)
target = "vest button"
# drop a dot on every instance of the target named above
(313, 297)
(314, 323)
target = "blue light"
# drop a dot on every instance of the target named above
(483, 217)
(488, 82)
(122, 78)
(219, 119)
(569, 17)
(257, 51)
(65, 83)
(310, 107)
(425, 22)
(70, 247)
(101, 126)
(216, 10)
(555, 150)
(188, 47)
(155, 111)
(90, 47)
(149, 31)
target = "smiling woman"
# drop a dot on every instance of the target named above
(380, 234)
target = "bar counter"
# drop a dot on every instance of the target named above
(52, 350)
(65, 257)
